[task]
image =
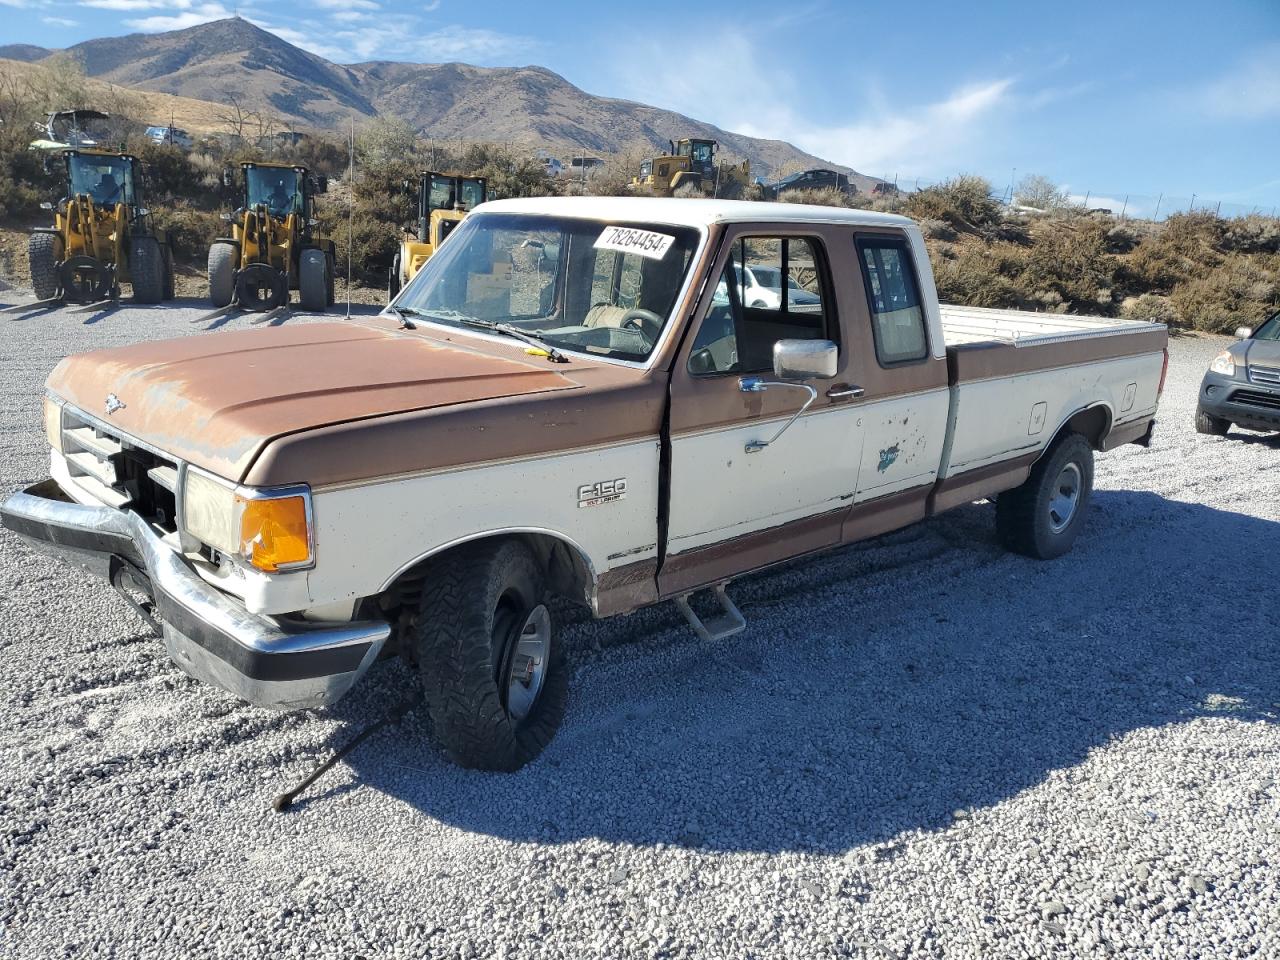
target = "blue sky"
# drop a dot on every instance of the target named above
(1110, 98)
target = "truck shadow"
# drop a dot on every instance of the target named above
(879, 689)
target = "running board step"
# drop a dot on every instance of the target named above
(728, 623)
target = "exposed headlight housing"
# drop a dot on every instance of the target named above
(53, 422)
(267, 527)
(1224, 363)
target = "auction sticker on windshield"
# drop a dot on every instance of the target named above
(645, 243)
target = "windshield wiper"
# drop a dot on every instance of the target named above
(531, 337)
(402, 314)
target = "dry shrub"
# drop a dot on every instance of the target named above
(1251, 234)
(1150, 307)
(977, 274)
(1068, 266)
(191, 231)
(964, 202)
(822, 197)
(1239, 293)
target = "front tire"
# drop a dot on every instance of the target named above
(313, 281)
(1043, 517)
(146, 270)
(1207, 423)
(223, 261)
(494, 675)
(43, 253)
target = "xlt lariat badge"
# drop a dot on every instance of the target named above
(602, 492)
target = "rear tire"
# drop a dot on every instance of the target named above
(482, 610)
(313, 281)
(43, 254)
(1043, 517)
(146, 270)
(1207, 423)
(223, 261)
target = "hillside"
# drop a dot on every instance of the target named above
(528, 105)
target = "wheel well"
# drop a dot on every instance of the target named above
(1092, 423)
(569, 572)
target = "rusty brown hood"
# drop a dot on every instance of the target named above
(217, 400)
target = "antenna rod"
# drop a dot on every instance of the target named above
(351, 182)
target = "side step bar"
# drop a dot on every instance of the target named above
(728, 623)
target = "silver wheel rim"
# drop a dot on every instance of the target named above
(1064, 498)
(529, 663)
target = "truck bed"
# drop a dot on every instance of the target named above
(983, 343)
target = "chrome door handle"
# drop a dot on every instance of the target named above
(845, 391)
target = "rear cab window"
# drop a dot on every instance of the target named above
(893, 296)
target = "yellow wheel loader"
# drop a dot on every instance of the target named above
(691, 164)
(444, 199)
(275, 244)
(102, 235)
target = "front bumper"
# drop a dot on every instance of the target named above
(1255, 406)
(267, 661)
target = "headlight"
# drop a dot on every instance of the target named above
(53, 423)
(1224, 363)
(268, 527)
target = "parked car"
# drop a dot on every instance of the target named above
(760, 286)
(557, 406)
(179, 138)
(1242, 384)
(809, 180)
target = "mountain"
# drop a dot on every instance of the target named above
(24, 52)
(234, 60)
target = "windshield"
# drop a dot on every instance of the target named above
(1269, 330)
(604, 289)
(108, 180)
(277, 187)
(472, 192)
(701, 152)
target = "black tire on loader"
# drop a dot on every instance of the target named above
(1043, 517)
(313, 280)
(492, 668)
(224, 257)
(146, 269)
(43, 253)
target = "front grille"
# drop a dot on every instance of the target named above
(1268, 375)
(1256, 399)
(115, 469)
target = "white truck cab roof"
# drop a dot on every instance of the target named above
(692, 211)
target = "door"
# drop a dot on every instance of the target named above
(732, 510)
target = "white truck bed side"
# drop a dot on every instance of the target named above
(1016, 377)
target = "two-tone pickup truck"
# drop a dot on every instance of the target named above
(570, 400)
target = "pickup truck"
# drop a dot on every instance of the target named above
(558, 407)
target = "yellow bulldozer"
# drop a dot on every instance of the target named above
(691, 163)
(444, 199)
(275, 244)
(102, 234)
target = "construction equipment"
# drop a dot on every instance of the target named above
(691, 164)
(275, 244)
(444, 199)
(102, 235)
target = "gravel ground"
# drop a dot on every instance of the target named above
(922, 747)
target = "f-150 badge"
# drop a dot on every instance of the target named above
(602, 492)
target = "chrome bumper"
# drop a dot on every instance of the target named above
(264, 660)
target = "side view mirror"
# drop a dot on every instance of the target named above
(794, 360)
(228, 177)
(46, 205)
(1244, 333)
(48, 165)
(322, 184)
(805, 359)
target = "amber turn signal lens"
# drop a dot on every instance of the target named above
(274, 533)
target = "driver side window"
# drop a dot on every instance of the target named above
(771, 289)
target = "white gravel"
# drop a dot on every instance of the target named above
(922, 747)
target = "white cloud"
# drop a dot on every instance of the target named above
(137, 4)
(356, 37)
(59, 21)
(345, 4)
(741, 88)
(1248, 91)
(201, 13)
